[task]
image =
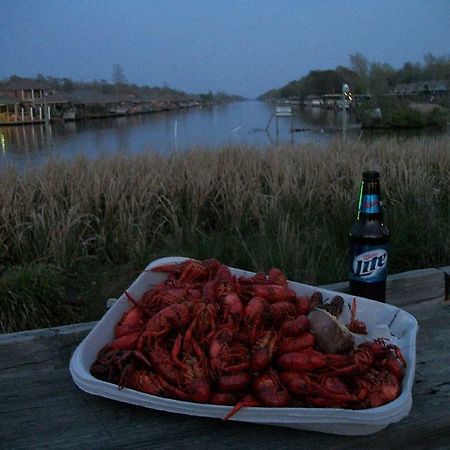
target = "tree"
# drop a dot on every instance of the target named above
(118, 76)
(209, 97)
(351, 78)
(410, 73)
(364, 77)
(360, 65)
(436, 68)
(67, 85)
(320, 82)
(381, 78)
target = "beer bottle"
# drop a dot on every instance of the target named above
(369, 239)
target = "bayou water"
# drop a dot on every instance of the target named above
(240, 123)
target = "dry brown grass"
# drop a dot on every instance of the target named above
(71, 232)
(286, 206)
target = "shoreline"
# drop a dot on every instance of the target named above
(86, 115)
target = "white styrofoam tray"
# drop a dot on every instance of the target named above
(383, 320)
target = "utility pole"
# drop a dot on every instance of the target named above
(345, 91)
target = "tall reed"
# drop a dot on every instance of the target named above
(286, 206)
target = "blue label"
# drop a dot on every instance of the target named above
(370, 204)
(369, 263)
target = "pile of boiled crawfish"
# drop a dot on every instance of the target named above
(205, 335)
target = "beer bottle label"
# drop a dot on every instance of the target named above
(369, 263)
(370, 204)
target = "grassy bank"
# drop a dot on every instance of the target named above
(402, 114)
(73, 234)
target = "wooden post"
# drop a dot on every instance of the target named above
(446, 271)
(344, 118)
(282, 111)
(345, 90)
(46, 110)
(292, 129)
(270, 120)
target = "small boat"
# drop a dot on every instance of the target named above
(118, 111)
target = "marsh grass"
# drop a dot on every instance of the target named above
(289, 207)
(33, 296)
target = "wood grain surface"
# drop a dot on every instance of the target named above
(41, 407)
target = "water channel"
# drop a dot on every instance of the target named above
(241, 123)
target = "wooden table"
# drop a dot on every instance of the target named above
(41, 407)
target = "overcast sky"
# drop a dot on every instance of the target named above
(242, 47)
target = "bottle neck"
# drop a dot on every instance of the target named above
(369, 203)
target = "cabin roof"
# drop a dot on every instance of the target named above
(422, 86)
(17, 84)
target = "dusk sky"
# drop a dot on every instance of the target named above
(241, 47)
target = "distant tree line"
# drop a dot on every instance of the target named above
(120, 85)
(364, 77)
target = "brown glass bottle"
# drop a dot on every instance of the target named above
(369, 242)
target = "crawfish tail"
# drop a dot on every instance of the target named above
(169, 268)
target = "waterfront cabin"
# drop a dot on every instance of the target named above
(9, 110)
(89, 103)
(313, 101)
(28, 101)
(332, 101)
(425, 90)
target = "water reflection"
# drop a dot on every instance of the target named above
(241, 123)
(24, 139)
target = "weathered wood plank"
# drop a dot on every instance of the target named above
(37, 350)
(416, 286)
(446, 271)
(41, 407)
(410, 287)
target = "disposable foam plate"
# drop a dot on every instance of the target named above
(383, 320)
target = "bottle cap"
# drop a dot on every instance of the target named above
(371, 175)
